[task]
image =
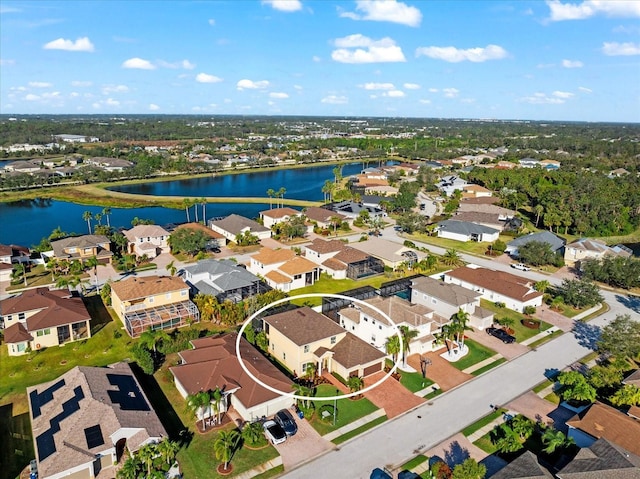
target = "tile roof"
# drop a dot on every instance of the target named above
(477, 217)
(16, 333)
(280, 212)
(314, 213)
(272, 256)
(351, 255)
(602, 460)
(507, 284)
(398, 309)
(303, 325)
(200, 227)
(482, 200)
(143, 287)
(221, 275)
(352, 351)
(484, 205)
(235, 224)
(278, 277)
(543, 237)
(334, 264)
(298, 265)
(447, 292)
(633, 378)
(145, 231)
(465, 227)
(383, 249)
(213, 364)
(109, 399)
(600, 420)
(326, 246)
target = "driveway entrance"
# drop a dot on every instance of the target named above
(303, 446)
(440, 370)
(391, 396)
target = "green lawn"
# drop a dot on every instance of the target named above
(548, 337)
(522, 333)
(486, 368)
(359, 430)
(553, 398)
(17, 443)
(471, 247)
(542, 385)
(414, 381)
(348, 410)
(480, 423)
(38, 276)
(477, 352)
(485, 444)
(326, 284)
(415, 462)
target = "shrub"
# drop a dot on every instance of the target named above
(409, 244)
(500, 304)
(339, 378)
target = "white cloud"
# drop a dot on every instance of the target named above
(40, 84)
(613, 49)
(79, 83)
(562, 94)
(585, 89)
(426, 102)
(450, 92)
(627, 29)
(252, 85)
(80, 45)
(298, 87)
(433, 90)
(275, 94)
(138, 64)
(611, 8)
(335, 100)
(107, 89)
(206, 78)
(153, 107)
(455, 55)
(385, 11)
(366, 50)
(186, 64)
(411, 86)
(5, 9)
(5, 62)
(18, 88)
(212, 22)
(542, 99)
(52, 94)
(316, 59)
(284, 5)
(394, 94)
(378, 86)
(572, 64)
(32, 97)
(74, 94)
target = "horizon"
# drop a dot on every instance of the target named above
(509, 61)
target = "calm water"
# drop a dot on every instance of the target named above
(26, 222)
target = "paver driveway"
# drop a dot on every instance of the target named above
(508, 351)
(440, 370)
(391, 396)
(303, 446)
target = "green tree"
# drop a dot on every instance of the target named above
(168, 450)
(147, 454)
(536, 253)
(452, 258)
(253, 433)
(20, 270)
(355, 383)
(216, 399)
(392, 347)
(469, 469)
(627, 395)
(187, 240)
(247, 239)
(262, 341)
(87, 216)
(130, 469)
(620, 338)
(225, 445)
(198, 403)
(171, 268)
(460, 324)
(553, 440)
(151, 339)
(580, 293)
(271, 193)
(106, 211)
(522, 426)
(601, 376)
(143, 358)
(105, 293)
(408, 335)
(92, 263)
(576, 387)
(506, 439)
(542, 286)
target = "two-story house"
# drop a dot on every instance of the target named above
(234, 225)
(153, 302)
(149, 240)
(282, 269)
(82, 248)
(223, 279)
(323, 217)
(585, 248)
(340, 261)
(278, 215)
(302, 336)
(39, 318)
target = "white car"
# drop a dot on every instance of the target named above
(521, 267)
(274, 432)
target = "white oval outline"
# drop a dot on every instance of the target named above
(327, 398)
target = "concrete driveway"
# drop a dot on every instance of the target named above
(305, 445)
(391, 396)
(508, 351)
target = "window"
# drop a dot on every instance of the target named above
(373, 338)
(365, 318)
(373, 321)
(21, 316)
(43, 332)
(151, 299)
(273, 347)
(434, 301)
(306, 348)
(21, 347)
(380, 327)
(184, 293)
(167, 295)
(424, 296)
(333, 340)
(284, 356)
(297, 276)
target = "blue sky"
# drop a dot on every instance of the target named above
(537, 60)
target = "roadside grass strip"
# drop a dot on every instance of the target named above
(359, 430)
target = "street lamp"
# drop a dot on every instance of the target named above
(335, 406)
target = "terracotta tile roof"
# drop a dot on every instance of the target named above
(477, 217)
(272, 256)
(352, 351)
(321, 215)
(197, 226)
(298, 265)
(213, 364)
(449, 293)
(278, 277)
(326, 246)
(482, 200)
(399, 310)
(303, 325)
(13, 250)
(16, 333)
(145, 231)
(136, 288)
(84, 241)
(280, 212)
(351, 255)
(507, 284)
(602, 421)
(633, 378)
(334, 264)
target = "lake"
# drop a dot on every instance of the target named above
(27, 222)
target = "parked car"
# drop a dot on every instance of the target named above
(286, 421)
(501, 334)
(521, 267)
(274, 432)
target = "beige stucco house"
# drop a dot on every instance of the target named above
(149, 240)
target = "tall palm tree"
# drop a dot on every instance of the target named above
(392, 347)
(147, 454)
(216, 396)
(203, 203)
(52, 264)
(311, 370)
(168, 450)
(452, 258)
(271, 193)
(327, 189)
(225, 445)
(20, 270)
(92, 263)
(106, 211)
(553, 440)
(542, 286)
(335, 221)
(355, 383)
(538, 210)
(171, 268)
(407, 336)
(151, 338)
(187, 204)
(304, 391)
(460, 321)
(87, 216)
(197, 402)
(281, 193)
(130, 469)
(252, 432)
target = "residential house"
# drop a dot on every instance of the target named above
(602, 421)
(341, 261)
(83, 422)
(216, 240)
(109, 164)
(525, 466)
(618, 172)
(585, 248)
(153, 302)
(302, 336)
(147, 240)
(485, 205)
(528, 163)
(212, 364)
(40, 318)
(505, 165)
(282, 269)
(514, 291)
(323, 217)
(374, 328)
(234, 225)
(466, 231)
(224, 279)
(352, 210)
(82, 248)
(14, 254)
(602, 460)
(476, 191)
(446, 299)
(23, 166)
(76, 138)
(390, 253)
(6, 270)
(490, 220)
(550, 164)
(555, 242)
(449, 184)
(278, 215)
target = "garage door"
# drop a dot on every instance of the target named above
(372, 369)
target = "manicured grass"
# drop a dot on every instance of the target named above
(348, 410)
(471, 247)
(589, 357)
(542, 385)
(414, 381)
(276, 471)
(359, 430)
(522, 333)
(485, 444)
(547, 338)
(480, 423)
(477, 352)
(38, 276)
(553, 398)
(17, 444)
(326, 284)
(486, 368)
(415, 462)
(433, 394)
(604, 307)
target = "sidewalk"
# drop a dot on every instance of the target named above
(488, 427)
(541, 335)
(354, 425)
(482, 364)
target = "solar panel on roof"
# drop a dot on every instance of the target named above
(128, 394)
(94, 437)
(38, 400)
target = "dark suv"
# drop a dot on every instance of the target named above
(286, 420)
(501, 334)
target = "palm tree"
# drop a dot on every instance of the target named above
(452, 258)
(542, 286)
(271, 193)
(459, 322)
(87, 216)
(392, 347)
(168, 450)
(69, 283)
(98, 217)
(280, 194)
(197, 402)
(171, 268)
(147, 454)
(327, 189)
(92, 263)
(187, 204)
(52, 264)
(150, 339)
(20, 270)
(507, 323)
(553, 440)
(355, 383)
(302, 390)
(252, 432)
(130, 469)
(335, 221)
(311, 370)
(538, 210)
(106, 211)
(407, 336)
(522, 426)
(203, 203)
(506, 439)
(225, 445)
(216, 397)
(337, 174)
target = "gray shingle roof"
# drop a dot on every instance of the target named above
(602, 460)
(224, 275)
(234, 224)
(525, 466)
(465, 228)
(543, 237)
